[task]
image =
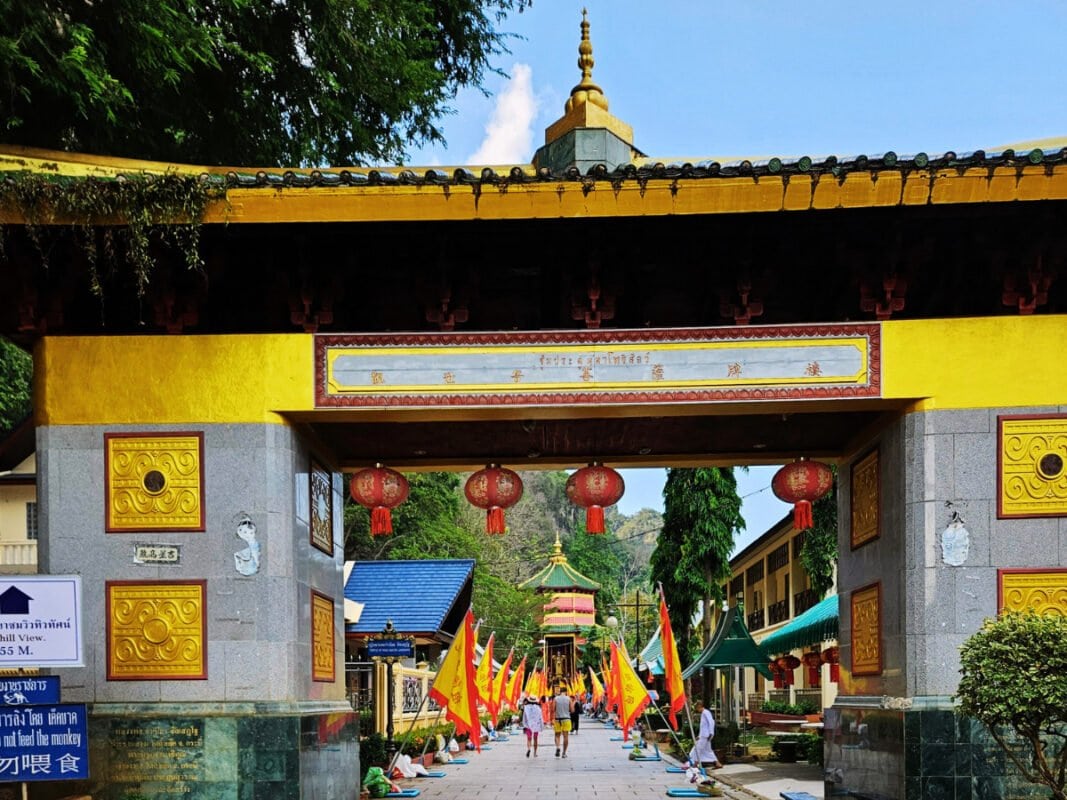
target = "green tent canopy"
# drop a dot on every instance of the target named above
(731, 645)
(817, 624)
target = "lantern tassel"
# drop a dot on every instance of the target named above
(594, 519)
(494, 520)
(835, 673)
(802, 519)
(381, 521)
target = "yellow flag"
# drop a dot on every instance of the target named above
(672, 666)
(631, 694)
(483, 677)
(598, 687)
(500, 688)
(454, 688)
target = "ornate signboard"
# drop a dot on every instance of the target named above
(154, 482)
(321, 509)
(864, 500)
(1043, 591)
(867, 630)
(1032, 466)
(156, 630)
(574, 367)
(322, 647)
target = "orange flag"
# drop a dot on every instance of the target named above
(500, 688)
(515, 683)
(609, 684)
(483, 677)
(597, 687)
(672, 666)
(631, 693)
(454, 689)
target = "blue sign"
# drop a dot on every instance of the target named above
(44, 743)
(390, 648)
(29, 691)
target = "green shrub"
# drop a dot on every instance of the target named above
(809, 748)
(372, 753)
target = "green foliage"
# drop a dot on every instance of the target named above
(241, 81)
(810, 748)
(153, 209)
(16, 375)
(819, 554)
(791, 709)
(1014, 680)
(372, 753)
(702, 514)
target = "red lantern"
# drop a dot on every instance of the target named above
(593, 488)
(779, 675)
(801, 483)
(813, 661)
(787, 664)
(494, 489)
(379, 489)
(832, 656)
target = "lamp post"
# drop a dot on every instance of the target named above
(390, 647)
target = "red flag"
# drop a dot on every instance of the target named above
(500, 684)
(597, 688)
(672, 666)
(454, 689)
(515, 683)
(483, 676)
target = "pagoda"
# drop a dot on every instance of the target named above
(570, 608)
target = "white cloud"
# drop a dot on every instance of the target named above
(509, 132)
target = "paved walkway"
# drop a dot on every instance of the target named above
(595, 767)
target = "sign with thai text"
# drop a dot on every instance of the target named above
(390, 648)
(40, 621)
(33, 690)
(557, 368)
(44, 743)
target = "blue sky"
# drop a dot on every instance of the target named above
(699, 79)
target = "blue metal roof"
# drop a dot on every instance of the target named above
(416, 595)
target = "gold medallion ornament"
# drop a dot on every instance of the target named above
(867, 630)
(1032, 466)
(156, 630)
(321, 509)
(154, 482)
(1043, 591)
(864, 494)
(322, 645)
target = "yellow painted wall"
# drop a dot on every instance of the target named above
(945, 364)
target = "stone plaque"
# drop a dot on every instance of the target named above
(157, 554)
(150, 756)
(154, 482)
(156, 630)
(864, 497)
(867, 630)
(1032, 466)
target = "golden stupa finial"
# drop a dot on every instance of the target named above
(586, 91)
(557, 552)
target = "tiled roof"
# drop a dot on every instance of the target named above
(731, 645)
(651, 655)
(416, 595)
(559, 575)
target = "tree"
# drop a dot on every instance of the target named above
(1014, 679)
(241, 81)
(701, 516)
(819, 553)
(16, 372)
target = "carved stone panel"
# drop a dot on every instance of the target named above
(321, 509)
(865, 490)
(1043, 590)
(867, 630)
(1032, 466)
(156, 630)
(154, 482)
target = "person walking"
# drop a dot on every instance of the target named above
(702, 753)
(562, 723)
(532, 723)
(576, 712)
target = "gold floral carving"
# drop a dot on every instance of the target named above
(156, 630)
(321, 509)
(1044, 591)
(1033, 467)
(867, 630)
(154, 482)
(322, 648)
(865, 499)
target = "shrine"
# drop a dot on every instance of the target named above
(898, 315)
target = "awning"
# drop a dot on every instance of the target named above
(651, 655)
(815, 625)
(731, 646)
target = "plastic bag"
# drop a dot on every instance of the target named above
(453, 745)
(376, 783)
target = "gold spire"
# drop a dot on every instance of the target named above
(557, 556)
(586, 91)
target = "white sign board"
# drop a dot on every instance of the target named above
(41, 621)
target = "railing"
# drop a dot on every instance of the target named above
(19, 554)
(813, 696)
(778, 612)
(778, 695)
(756, 620)
(804, 600)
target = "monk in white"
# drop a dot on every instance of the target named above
(702, 753)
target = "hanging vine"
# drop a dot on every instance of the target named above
(138, 208)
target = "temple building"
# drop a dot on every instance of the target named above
(569, 612)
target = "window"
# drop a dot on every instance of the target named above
(31, 521)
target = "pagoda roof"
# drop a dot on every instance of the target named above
(731, 645)
(559, 575)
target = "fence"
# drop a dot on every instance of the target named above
(367, 693)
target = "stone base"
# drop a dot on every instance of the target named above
(240, 751)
